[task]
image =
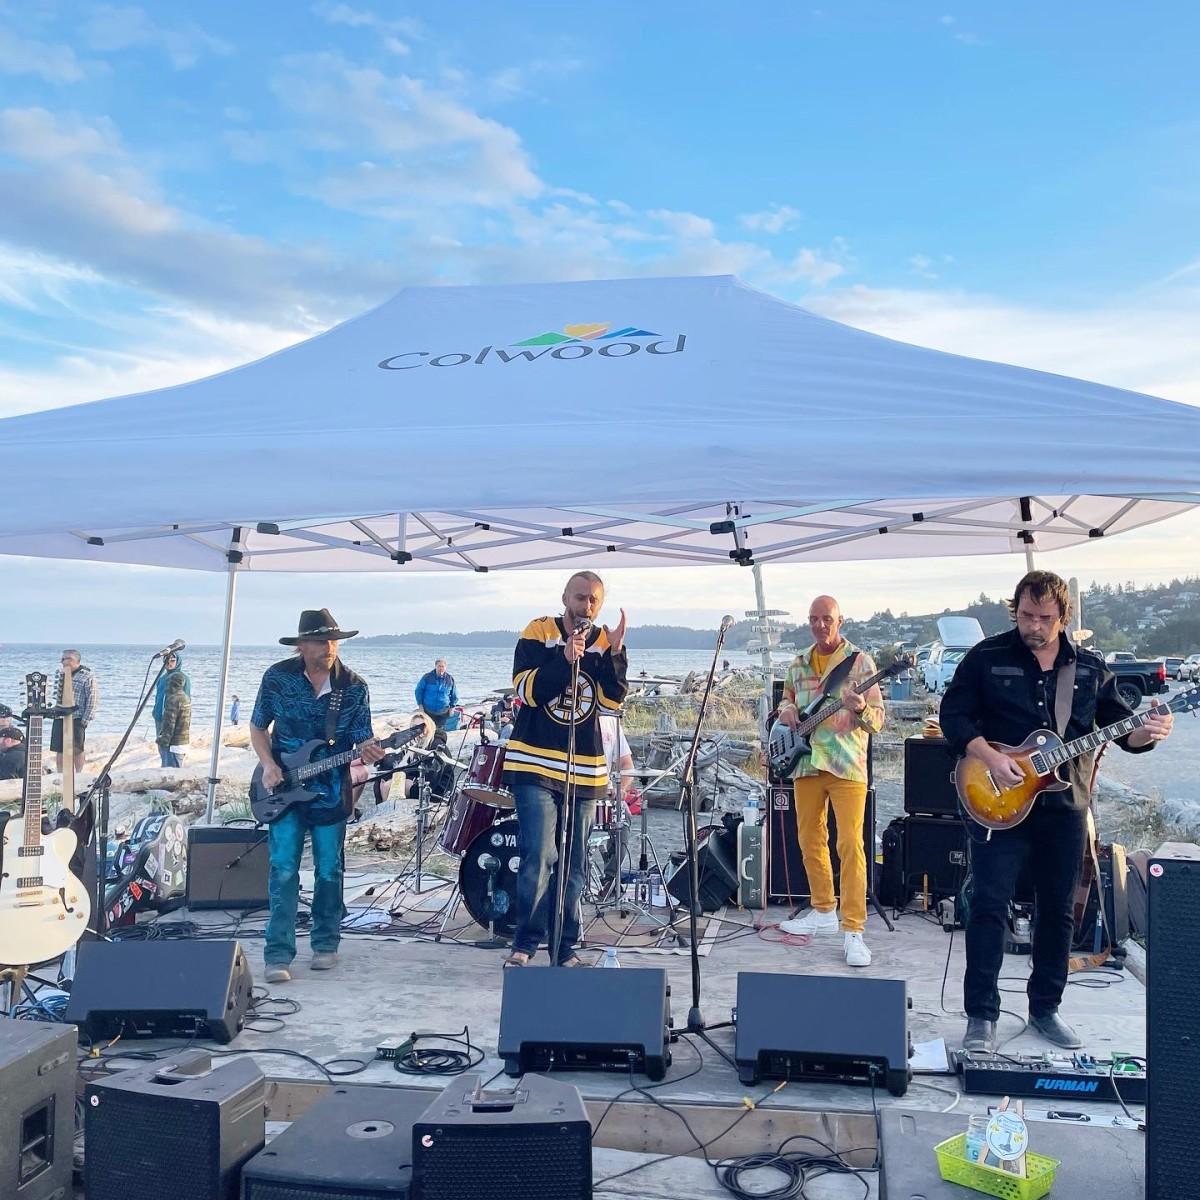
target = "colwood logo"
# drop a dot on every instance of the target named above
(572, 343)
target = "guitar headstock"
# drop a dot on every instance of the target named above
(1185, 701)
(35, 694)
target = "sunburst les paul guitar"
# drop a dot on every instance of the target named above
(1041, 757)
(43, 907)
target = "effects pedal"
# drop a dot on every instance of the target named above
(1077, 1077)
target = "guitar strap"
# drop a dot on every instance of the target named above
(1064, 697)
(331, 716)
(838, 675)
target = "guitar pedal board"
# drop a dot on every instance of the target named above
(1045, 1076)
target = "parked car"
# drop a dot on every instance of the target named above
(1172, 662)
(1189, 668)
(956, 635)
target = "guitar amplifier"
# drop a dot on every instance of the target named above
(936, 856)
(37, 1110)
(531, 1143)
(716, 867)
(160, 988)
(1093, 933)
(181, 1127)
(928, 778)
(227, 867)
(355, 1142)
(787, 881)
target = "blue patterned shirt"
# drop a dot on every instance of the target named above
(296, 714)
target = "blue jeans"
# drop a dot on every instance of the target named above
(167, 756)
(539, 812)
(285, 846)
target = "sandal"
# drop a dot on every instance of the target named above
(573, 961)
(518, 958)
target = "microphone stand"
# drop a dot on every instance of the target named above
(102, 784)
(566, 826)
(695, 1020)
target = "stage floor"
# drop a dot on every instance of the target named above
(391, 982)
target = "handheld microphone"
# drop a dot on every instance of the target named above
(166, 651)
(582, 625)
(726, 623)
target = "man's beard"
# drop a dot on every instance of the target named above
(1035, 641)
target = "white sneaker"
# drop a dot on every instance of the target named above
(812, 922)
(857, 954)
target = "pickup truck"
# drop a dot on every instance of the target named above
(1135, 678)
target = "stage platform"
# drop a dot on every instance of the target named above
(391, 982)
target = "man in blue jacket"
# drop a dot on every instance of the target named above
(436, 693)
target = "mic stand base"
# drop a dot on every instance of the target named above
(695, 1021)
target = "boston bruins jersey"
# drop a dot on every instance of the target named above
(537, 750)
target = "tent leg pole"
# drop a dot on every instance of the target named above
(760, 602)
(1029, 558)
(226, 642)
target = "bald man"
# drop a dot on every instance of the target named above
(834, 773)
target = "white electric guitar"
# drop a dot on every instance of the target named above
(44, 909)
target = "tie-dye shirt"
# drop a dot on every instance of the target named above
(839, 745)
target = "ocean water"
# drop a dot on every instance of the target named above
(390, 671)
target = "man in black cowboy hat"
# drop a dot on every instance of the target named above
(313, 695)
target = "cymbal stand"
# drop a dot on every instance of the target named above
(423, 794)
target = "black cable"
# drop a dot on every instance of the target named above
(453, 1059)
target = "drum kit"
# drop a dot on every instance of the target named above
(480, 829)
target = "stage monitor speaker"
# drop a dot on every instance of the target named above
(833, 1029)
(160, 988)
(1172, 1042)
(180, 1128)
(227, 867)
(557, 1019)
(717, 864)
(531, 1143)
(787, 880)
(928, 782)
(37, 1110)
(356, 1141)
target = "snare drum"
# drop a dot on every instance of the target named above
(484, 776)
(467, 820)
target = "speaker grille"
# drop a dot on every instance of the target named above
(138, 1146)
(1172, 1041)
(259, 1190)
(548, 1162)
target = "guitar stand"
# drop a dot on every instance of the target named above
(12, 980)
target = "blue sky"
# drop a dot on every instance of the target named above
(186, 187)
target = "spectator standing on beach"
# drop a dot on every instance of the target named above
(235, 710)
(175, 724)
(174, 666)
(437, 694)
(87, 701)
(12, 753)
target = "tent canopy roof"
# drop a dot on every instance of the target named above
(632, 422)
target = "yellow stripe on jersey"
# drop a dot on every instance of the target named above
(546, 752)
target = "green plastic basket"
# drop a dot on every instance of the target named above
(990, 1180)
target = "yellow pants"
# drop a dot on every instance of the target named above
(849, 800)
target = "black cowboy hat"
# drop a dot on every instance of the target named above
(318, 624)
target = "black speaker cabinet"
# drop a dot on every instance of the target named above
(37, 1110)
(1172, 1026)
(928, 783)
(356, 1141)
(160, 988)
(787, 881)
(716, 863)
(1093, 934)
(556, 1018)
(936, 856)
(181, 1127)
(836, 1029)
(227, 867)
(531, 1143)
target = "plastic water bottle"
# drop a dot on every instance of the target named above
(750, 812)
(610, 957)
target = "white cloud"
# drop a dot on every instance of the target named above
(111, 27)
(392, 29)
(922, 265)
(27, 56)
(775, 219)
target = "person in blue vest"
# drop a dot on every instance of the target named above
(436, 694)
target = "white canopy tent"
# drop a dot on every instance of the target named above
(608, 423)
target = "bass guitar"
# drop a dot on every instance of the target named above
(299, 766)
(787, 746)
(44, 909)
(1040, 758)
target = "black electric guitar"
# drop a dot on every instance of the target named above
(787, 746)
(299, 766)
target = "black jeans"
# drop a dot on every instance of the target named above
(1053, 840)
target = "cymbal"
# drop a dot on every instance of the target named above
(440, 755)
